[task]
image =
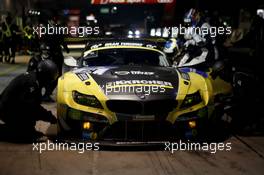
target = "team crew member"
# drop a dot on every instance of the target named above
(55, 42)
(29, 37)
(6, 40)
(1, 44)
(198, 43)
(14, 39)
(20, 103)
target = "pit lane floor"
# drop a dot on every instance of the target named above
(243, 158)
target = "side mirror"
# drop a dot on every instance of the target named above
(217, 68)
(70, 61)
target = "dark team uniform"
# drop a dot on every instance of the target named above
(1, 45)
(55, 42)
(20, 106)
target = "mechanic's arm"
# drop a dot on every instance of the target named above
(38, 112)
(31, 100)
(199, 40)
(44, 115)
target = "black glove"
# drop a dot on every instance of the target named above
(51, 118)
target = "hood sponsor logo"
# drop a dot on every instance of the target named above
(83, 76)
(133, 73)
(136, 82)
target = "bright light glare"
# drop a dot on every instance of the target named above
(152, 32)
(108, 33)
(158, 32)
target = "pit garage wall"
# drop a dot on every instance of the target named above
(169, 6)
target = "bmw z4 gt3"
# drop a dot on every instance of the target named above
(128, 90)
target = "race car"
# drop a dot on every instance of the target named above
(128, 90)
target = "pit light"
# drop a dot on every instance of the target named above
(158, 32)
(108, 33)
(192, 124)
(152, 32)
(137, 34)
(165, 33)
(86, 125)
(93, 135)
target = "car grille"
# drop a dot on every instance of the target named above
(139, 131)
(142, 107)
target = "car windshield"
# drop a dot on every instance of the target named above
(124, 56)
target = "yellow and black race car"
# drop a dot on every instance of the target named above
(128, 90)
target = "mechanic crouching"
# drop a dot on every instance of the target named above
(20, 104)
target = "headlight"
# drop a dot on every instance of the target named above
(86, 100)
(191, 100)
(86, 116)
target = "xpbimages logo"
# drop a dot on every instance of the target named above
(80, 31)
(145, 87)
(193, 146)
(80, 147)
(202, 31)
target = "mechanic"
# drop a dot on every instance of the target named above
(55, 42)
(1, 44)
(29, 37)
(195, 41)
(20, 104)
(10, 39)
(42, 54)
(171, 49)
(6, 40)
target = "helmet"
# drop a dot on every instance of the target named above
(170, 46)
(192, 17)
(45, 51)
(44, 46)
(47, 71)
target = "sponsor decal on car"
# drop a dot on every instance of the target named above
(140, 82)
(133, 73)
(83, 76)
(113, 44)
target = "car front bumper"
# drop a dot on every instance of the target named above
(90, 126)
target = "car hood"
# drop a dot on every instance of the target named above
(135, 82)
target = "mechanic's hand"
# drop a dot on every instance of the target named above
(201, 44)
(188, 43)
